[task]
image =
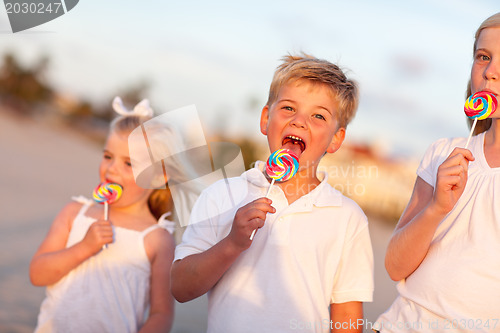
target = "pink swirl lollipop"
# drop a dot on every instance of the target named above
(107, 193)
(282, 165)
(479, 106)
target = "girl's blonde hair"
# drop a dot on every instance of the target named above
(160, 201)
(306, 67)
(491, 22)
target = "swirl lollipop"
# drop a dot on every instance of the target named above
(281, 166)
(479, 106)
(107, 193)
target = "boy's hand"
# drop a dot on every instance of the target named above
(451, 179)
(248, 218)
(99, 234)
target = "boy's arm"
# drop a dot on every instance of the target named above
(415, 230)
(196, 274)
(53, 260)
(346, 317)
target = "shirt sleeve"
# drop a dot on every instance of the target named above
(354, 276)
(435, 155)
(200, 234)
(211, 217)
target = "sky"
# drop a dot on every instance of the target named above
(411, 59)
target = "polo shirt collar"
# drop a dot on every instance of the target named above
(323, 195)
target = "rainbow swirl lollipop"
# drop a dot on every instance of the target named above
(107, 193)
(282, 165)
(481, 105)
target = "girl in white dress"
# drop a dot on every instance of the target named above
(109, 276)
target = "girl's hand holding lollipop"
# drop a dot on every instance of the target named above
(107, 193)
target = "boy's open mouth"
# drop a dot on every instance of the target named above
(294, 143)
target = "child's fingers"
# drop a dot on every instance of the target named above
(100, 233)
(103, 227)
(263, 208)
(452, 178)
(454, 170)
(461, 153)
(457, 159)
(262, 204)
(457, 163)
(256, 223)
(250, 217)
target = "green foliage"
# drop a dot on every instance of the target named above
(24, 88)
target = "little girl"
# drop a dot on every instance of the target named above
(445, 248)
(124, 286)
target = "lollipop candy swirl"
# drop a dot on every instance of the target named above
(282, 165)
(107, 193)
(481, 105)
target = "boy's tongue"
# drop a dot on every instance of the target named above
(293, 147)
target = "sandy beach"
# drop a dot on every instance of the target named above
(42, 167)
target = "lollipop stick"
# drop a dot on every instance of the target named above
(253, 234)
(471, 132)
(106, 211)
(267, 194)
(106, 215)
(270, 186)
(106, 193)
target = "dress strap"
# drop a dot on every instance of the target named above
(86, 203)
(166, 224)
(149, 229)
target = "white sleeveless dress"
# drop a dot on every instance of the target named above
(109, 292)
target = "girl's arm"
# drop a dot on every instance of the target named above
(160, 247)
(427, 208)
(346, 317)
(53, 260)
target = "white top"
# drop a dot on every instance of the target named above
(457, 286)
(109, 292)
(309, 254)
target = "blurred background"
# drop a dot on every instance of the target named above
(411, 60)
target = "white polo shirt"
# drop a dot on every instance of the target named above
(309, 254)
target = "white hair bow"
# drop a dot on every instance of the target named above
(166, 223)
(141, 109)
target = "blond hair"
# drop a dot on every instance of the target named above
(491, 22)
(160, 200)
(307, 67)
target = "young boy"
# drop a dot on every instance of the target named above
(310, 265)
